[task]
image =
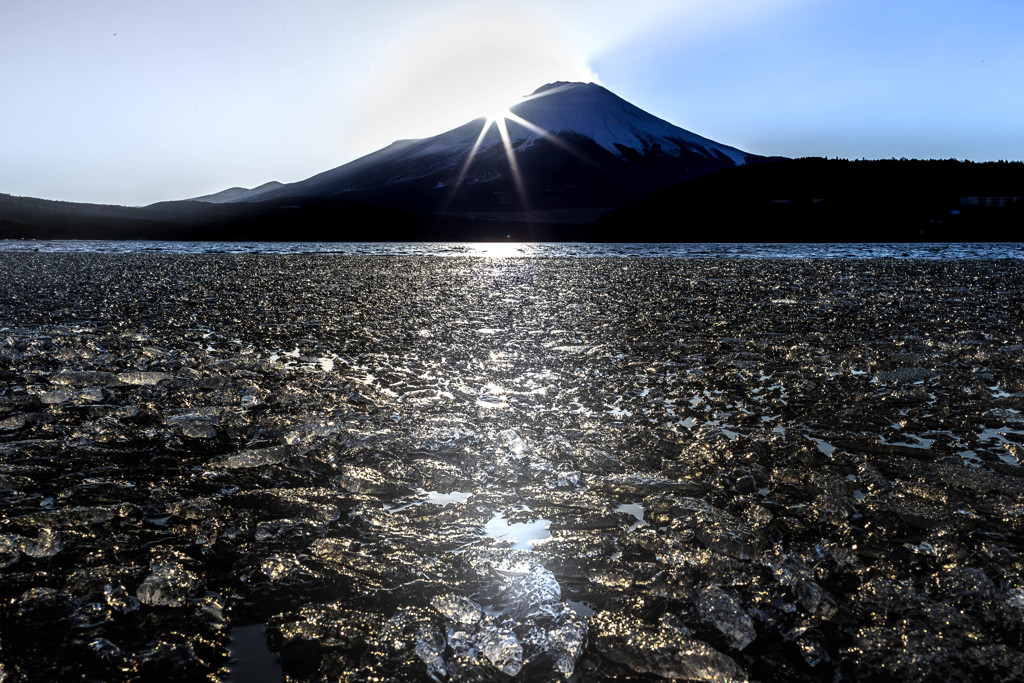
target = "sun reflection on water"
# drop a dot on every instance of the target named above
(499, 249)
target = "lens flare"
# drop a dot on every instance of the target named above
(499, 119)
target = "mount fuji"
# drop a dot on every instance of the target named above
(566, 154)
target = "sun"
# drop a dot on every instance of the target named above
(450, 72)
(494, 114)
(498, 120)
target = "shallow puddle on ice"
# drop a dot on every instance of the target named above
(1009, 459)
(445, 498)
(291, 359)
(970, 458)
(435, 497)
(918, 442)
(998, 434)
(278, 355)
(635, 509)
(999, 392)
(823, 446)
(522, 535)
(581, 608)
(251, 659)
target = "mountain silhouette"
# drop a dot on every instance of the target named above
(567, 153)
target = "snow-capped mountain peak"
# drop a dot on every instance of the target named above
(581, 111)
(590, 111)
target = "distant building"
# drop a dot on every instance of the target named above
(990, 202)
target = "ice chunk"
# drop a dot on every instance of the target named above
(169, 583)
(47, 544)
(560, 640)
(716, 529)
(79, 516)
(532, 595)
(510, 440)
(1015, 598)
(118, 598)
(280, 566)
(291, 531)
(568, 478)
(12, 423)
(194, 426)
(529, 595)
(104, 648)
(430, 646)
(724, 612)
(255, 457)
(55, 396)
(457, 609)
(366, 480)
(501, 648)
(664, 651)
(142, 378)
(799, 578)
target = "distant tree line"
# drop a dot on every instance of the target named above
(817, 199)
(810, 199)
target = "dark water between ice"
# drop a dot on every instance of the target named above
(853, 250)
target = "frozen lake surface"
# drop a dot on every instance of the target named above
(860, 250)
(454, 468)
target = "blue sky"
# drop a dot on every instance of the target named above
(127, 102)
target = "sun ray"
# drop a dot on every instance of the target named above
(551, 137)
(469, 160)
(513, 164)
(499, 121)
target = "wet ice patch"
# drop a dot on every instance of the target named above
(515, 444)
(905, 375)
(255, 457)
(823, 446)
(145, 379)
(493, 398)
(250, 659)
(295, 359)
(432, 497)
(521, 535)
(635, 509)
(615, 411)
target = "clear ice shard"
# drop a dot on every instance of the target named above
(430, 646)
(457, 609)
(169, 584)
(501, 648)
(142, 378)
(724, 612)
(662, 651)
(255, 457)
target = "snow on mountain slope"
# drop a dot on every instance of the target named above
(584, 110)
(591, 111)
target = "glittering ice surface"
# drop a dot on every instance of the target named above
(461, 468)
